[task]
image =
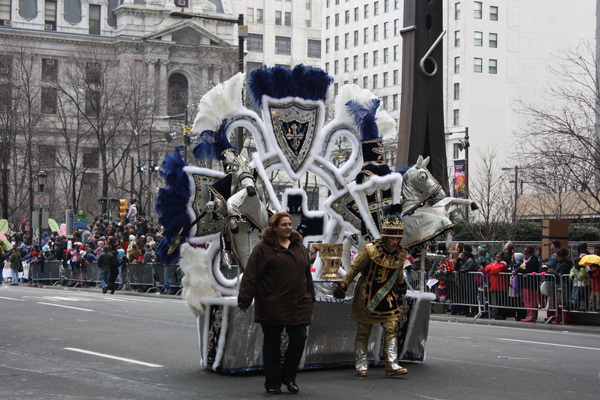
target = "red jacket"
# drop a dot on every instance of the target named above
(497, 282)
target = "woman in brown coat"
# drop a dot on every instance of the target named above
(278, 278)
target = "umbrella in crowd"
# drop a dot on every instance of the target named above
(589, 260)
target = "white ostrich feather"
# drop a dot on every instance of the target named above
(386, 124)
(348, 93)
(219, 103)
(195, 264)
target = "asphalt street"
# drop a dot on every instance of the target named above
(59, 343)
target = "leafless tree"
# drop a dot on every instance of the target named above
(561, 148)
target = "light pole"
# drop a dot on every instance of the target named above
(42, 177)
(516, 182)
(242, 33)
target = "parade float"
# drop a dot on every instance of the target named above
(213, 219)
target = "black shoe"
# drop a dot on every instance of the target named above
(273, 391)
(292, 387)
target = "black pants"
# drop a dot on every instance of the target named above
(280, 368)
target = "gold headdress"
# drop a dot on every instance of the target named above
(392, 222)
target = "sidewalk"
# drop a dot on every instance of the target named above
(510, 322)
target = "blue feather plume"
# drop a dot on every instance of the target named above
(212, 144)
(279, 82)
(171, 203)
(364, 118)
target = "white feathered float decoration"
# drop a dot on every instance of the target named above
(203, 209)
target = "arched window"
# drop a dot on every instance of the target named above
(178, 94)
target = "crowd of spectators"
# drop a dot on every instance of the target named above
(517, 284)
(126, 241)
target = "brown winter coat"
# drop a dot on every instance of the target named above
(280, 282)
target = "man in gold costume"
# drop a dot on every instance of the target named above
(378, 292)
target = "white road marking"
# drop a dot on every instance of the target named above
(93, 353)
(551, 344)
(59, 305)
(9, 298)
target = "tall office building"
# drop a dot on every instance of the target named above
(496, 53)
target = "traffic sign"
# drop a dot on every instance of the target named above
(41, 200)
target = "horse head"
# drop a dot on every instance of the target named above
(241, 172)
(418, 185)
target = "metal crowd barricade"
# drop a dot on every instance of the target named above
(46, 273)
(142, 277)
(168, 278)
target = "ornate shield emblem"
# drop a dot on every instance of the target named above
(295, 126)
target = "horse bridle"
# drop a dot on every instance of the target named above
(425, 197)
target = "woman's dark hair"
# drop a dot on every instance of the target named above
(529, 250)
(277, 217)
(562, 253)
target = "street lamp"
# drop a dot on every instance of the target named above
(516, 182)
(42, 178)
(242, 33)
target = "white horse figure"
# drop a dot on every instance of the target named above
(246, 210)
(425, 207)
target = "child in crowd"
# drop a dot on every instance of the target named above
(594, 275)
(579, 276)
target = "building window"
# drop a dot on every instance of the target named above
(93, 73)
(314, 48)
(181, 3)
(493, 69)
(375, 76)
(327, 42)
(260, 18)
(347, 17)
(49, 70)
(288, 18)
(336, 89)
(456, 65)
(355, 38)
(478, 37)
(336, 67)
(457, 91)
(385, 79)
(384, 102)
(376, 8)
(336, 43)
(50, 15)
(456, 150)
(94, 28)
(355, 63)
(478, 10)
(386, 26)
(356, 12)
(396, 27)
(92, 102)
(493, 13)
(396, 77)
(396, 52)
(493, 40)
(396, 4)
(251, 66)
(5, 11)
(366, 13)
(386, 6)
(283, 45)
(327, 22)
(366, 36)
(456, 38)
(327, 67)
(375, 58)
(177, 99)
(375, 33)
(346, 64)
(478, 65)
(337, 19)
(346, 40)
(49, 100)
(456, 11)
(366, 60)
(255, 42)
(250, 15)
(386, 56)
(365, 82)
(278, 18)
(395, 102)
(456, 118)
